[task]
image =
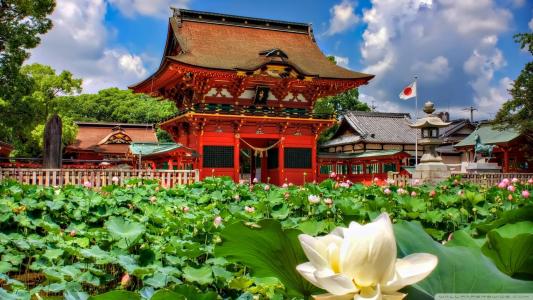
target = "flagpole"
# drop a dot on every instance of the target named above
(416, 119)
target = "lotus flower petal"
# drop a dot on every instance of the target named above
(410, 269)
(336, 284)
(368, 252)
(307, 270)
(318, 250)
(333, 297)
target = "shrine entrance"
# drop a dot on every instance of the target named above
(258, 159)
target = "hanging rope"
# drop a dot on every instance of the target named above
(258, 151)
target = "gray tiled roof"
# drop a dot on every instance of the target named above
(378, 127)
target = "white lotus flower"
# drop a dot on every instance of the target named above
(359, 262)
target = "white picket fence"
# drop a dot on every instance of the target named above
(98, 177)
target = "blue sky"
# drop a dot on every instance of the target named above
(462, 51)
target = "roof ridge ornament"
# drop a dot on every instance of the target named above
(275, 52)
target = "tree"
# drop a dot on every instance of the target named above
(115, 105)
(21, 23)
(518, 111)
(39, 104)
(47, 85)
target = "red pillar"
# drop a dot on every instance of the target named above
(505, 160)
(170, 164)
(236, 156)
(201, 155)
(313, 161)
(281, 160)
(252, 166)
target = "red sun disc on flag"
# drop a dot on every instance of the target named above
(407, 91)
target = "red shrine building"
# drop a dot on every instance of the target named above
(245, 88)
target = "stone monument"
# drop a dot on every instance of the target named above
(431, 169)
(52, 143)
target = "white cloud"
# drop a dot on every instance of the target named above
(530, 24)
(342, 18)
(451, 45)
(342, 60)
(152, 8)
(78, 43)
(436, 69)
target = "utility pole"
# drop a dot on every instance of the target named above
(372, 106)
(471, 109)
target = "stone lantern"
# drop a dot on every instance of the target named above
(431, 169)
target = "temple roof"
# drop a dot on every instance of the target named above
(228, 42)
(366, 154)
(489, 135)
(375, 127)
(155, 149)
(92, 136)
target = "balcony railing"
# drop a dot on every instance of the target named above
(229, 109)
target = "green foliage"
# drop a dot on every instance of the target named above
(115, 105)
(269, 251)
(518, 111)
(39, 105)
(68, 134)
(460, 269)
(82, 241)
(511, 248)
(21, 24)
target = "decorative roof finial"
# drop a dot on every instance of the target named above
(429, 107)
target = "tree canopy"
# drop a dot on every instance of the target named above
(115, 105)
(518, 111)
(21, 24)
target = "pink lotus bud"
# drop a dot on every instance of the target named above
(510, 197)
(285, 186)
(87, 184)
(290, 184)
(115, 179)
(328, 201)
(125, 280)
(416, 182)
(515, 180)
(345, 184)
(450, 237)
(401, 191)
(413, 194)
(255, 180)
(332, 175)
(432, 193)
(185, 209)
(511, 188)
(502, 185)
(530, 181)
(525, 194)
(267, 187)
(506, 181)
(217, 221)
(72, 233)
(249, 209)
(313, 199)
(386, 191)
(376, 179)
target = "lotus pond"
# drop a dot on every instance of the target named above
(220, 240)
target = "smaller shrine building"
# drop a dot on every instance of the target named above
(106, 143)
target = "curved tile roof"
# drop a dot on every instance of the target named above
(236, 43)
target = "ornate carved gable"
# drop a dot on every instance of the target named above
(117, 136)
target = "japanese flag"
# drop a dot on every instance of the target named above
(409, 91)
